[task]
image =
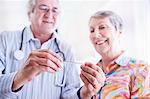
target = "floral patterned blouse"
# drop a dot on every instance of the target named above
(126, 78)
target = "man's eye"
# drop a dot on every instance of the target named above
(44, 8)
(55, 10)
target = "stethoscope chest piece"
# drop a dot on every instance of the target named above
(18, 54)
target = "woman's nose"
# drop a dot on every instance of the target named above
(97, 34)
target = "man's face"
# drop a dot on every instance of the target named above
(44, 16)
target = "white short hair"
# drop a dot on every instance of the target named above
(31, 6)
(115, 19)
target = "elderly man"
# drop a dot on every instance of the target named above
(33, 61)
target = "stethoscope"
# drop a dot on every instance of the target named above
(19, 55)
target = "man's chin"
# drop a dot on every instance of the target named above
(47, 31)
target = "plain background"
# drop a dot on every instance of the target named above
(73, 25)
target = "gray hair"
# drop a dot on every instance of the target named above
(31, 6)
(115, 19)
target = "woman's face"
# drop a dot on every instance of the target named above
(103, 35)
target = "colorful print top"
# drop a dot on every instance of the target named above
(127, 78)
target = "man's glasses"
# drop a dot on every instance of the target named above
(45, 9)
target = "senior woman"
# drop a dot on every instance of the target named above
(116, 75)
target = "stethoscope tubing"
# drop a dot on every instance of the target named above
(19, 55)
(21, 44)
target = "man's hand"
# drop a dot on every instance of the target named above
(93, 78)
(38, 61)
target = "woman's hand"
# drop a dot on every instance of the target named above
(93, 78)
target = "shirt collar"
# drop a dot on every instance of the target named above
(28, 35)
(123, 59)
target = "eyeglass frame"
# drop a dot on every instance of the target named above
(45, 9)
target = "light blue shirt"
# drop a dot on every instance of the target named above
(61, 85)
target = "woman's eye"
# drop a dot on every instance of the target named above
(91, 30)
(101, 27)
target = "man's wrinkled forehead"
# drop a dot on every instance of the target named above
(54, 3)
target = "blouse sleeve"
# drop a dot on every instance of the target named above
(141, 82)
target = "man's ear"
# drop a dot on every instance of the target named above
(29, 15)
(120, 34)
(32, 9)
(31, 12)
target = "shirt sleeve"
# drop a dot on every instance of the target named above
(72, 84)
(6, 79)
(141, 83)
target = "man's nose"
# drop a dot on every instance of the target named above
(49, 14)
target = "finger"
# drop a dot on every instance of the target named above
(52, 53)
(46, 56)
(52, 65)
(93, 66)
(84, 79)
(40, 53)
(40, 68)
(87, 84)
(46, 62)
(99, 76)
(91, 79)
(47, 69)
(91, 71)
(55, 60)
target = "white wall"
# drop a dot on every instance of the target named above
(74, 22)
(13, 14)
(75, 18)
